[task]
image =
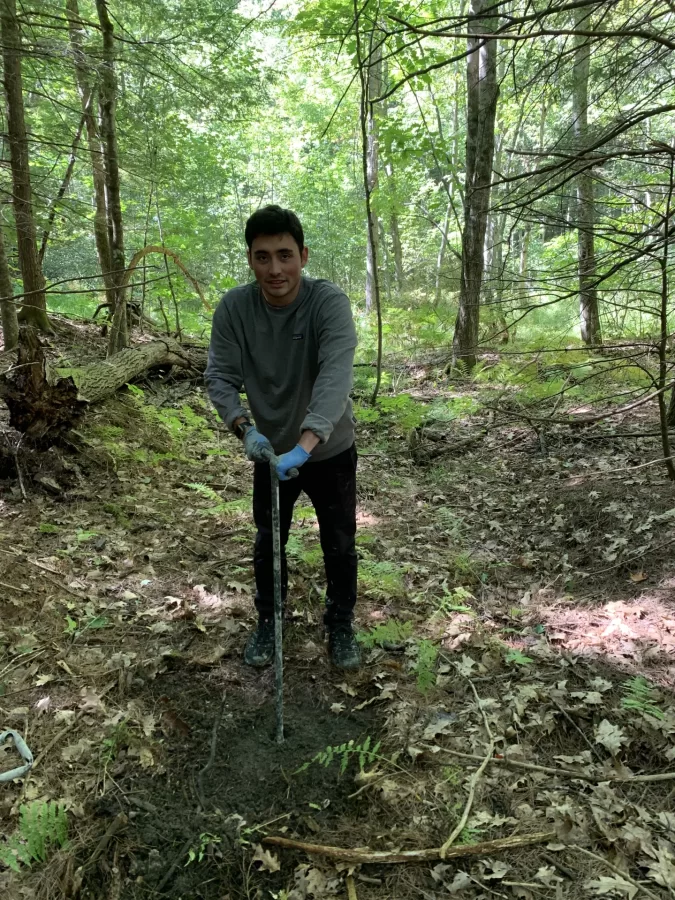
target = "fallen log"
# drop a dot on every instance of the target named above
(45, 401)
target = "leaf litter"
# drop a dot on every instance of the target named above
(122, 662)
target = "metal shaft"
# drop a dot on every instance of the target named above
(278, 606)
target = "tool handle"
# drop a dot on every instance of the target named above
(278, 604)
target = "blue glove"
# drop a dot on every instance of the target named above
(289, 463)
(257, 447)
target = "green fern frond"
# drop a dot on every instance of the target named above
(42, 826)
(641, 695)
(343, 753)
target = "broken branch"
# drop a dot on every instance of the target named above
(388, 857)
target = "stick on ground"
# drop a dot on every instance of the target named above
(388, 857)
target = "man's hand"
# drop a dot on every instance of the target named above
(256, 446)
(289, 463)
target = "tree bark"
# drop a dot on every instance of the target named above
(10, 320)
(118, 337)
(373, 89)
(482, 94)
(34, 307)
(588, 295)
(366, 113)
(45, 402)
(85, 90)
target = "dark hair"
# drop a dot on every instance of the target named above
(274, 220)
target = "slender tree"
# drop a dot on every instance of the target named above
(373, 82)
(482, 94)
(118, 337)
(34, 306)
(10, 320)
(588, 295)
(87, 96)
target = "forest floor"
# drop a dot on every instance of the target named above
(517, 613)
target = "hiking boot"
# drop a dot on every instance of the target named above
(260, 644)
(342, 646)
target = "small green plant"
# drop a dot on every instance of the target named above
(197, 853)
(222, 507)
(364, 753)
(641, 695)
(381, 580)
(453, 600)
(46, 528)
(425, 665)
(518, 658)
(388, 634)
(42, 826)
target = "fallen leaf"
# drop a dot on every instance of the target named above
(638, 576)
(347, 689)
(612, 884)
(41, 680)
(268, 861)
(337, 708)
(145, 757)
(610, 736)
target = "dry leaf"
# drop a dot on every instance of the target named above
(610, 736)
(638, 576)
(145, 757)
(337, 708)
(612, 884)
(268, 861)
(347, 689)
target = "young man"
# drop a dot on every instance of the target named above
(289, 341)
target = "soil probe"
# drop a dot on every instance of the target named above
(278, 604)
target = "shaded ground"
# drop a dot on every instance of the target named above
(526, 586)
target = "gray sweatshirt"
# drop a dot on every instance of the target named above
(295, 363)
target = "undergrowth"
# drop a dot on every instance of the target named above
(42, 827)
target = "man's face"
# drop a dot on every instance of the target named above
(277, 264)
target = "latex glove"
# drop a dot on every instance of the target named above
(257, 447)
(289, 463)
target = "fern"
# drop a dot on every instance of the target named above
(424, 668)
(222, 507)
(365, 754)
(639, 694)
(42, 826)
(389, 634)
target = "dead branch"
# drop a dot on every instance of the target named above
(387, 857)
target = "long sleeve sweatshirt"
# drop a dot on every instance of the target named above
(294, 362)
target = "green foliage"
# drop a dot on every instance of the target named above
(46, 528)
(43, 826)
(365, 753)
(639, 694)
(452, 600)
(381, 580)
(221, 507)
(391, 633)
(425, 665)
(197, 853)
(518, 658)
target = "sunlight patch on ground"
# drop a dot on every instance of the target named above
(640, 631)
(365, 519)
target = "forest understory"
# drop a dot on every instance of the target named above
(517, 617)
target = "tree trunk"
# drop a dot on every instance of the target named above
(46, 402)
(374, 89)
(85, 91)
(34, 306)
(119, 330)
(62, 190)
(588, 295)
(10, 320)
(396, 244)
(440, 259)
(482, 94)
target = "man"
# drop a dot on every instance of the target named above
(289, 340)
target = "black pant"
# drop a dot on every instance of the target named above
(331, 486)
